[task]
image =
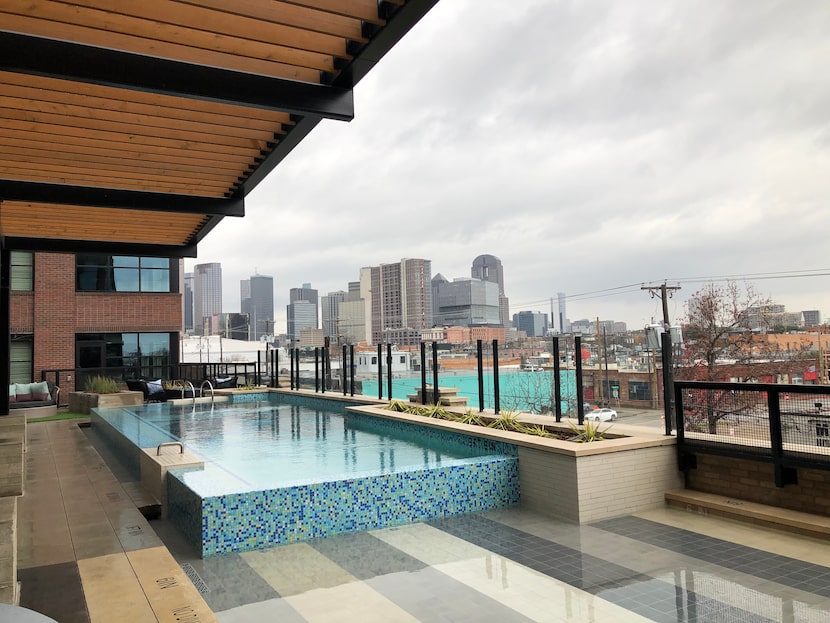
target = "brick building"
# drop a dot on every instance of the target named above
(92, 312)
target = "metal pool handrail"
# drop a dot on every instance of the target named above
(170, 443)
(201, 391)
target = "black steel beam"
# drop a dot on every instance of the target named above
(401, 19)
(293, 137)
(13, 190)
(41, 56)
(13, 243)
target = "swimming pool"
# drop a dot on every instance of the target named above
(302, 468)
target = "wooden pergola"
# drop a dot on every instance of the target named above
(138, 126)
(135, 127)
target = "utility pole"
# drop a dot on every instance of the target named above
(664, 292)
(668, 381)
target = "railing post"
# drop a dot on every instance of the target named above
(434, 373)
(344, 369)
(423, 373)
(580, 415)
(291, 368)
(557, 387)
(496, 397)
(480, 356)
(316, 369)
(665, 347)
(297, 366)
(380, 371)
(783, 475)
(351, 367)
(389, 370)
(324, 357)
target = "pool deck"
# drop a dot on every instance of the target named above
(86, 554)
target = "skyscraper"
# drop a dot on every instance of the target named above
(207, 294)
(187, 296)
(330, 312)
(257, 301)
(489, 268)
(563, 316)
(465, 302)
(534, 324)
(301, 311)
(400, 297)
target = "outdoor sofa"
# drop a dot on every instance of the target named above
(38, 399)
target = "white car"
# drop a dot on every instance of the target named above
(601, 415)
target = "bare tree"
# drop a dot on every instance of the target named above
(721, 345)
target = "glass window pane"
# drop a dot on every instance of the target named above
(125, 261)
(155, 280)
(155, 262)
(126, 280)
(91, 259)
(92, 278)
(20, 360)
(154, 343)
(21, 270)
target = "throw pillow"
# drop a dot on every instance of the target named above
(154, 388)
(23, 391)
(40, 391)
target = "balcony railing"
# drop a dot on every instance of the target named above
(786, 425)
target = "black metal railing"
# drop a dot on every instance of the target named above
(787, 425)
(323, 380)
(245, 373)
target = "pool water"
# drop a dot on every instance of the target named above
(297, 468)
(265, 445)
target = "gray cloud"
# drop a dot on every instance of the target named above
(588, 145)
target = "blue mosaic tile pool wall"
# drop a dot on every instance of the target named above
(184, 509)
(248, 521)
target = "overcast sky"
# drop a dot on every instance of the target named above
(591, 146)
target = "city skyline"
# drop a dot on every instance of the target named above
(620, 145)
(550, 307)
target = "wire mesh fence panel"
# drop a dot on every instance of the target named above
(805, 425)
(788, 424)
(733, 413)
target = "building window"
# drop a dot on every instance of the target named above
(122, 273)
(823, 434)
(128, 355)
(22, 270)
(637, 390)
(21, 359)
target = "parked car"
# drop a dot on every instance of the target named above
(601, 415)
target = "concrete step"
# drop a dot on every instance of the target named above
(761, 514)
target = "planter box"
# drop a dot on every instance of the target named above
(84, 402)
(581, 482)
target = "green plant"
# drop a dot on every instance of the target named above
(470, 417)
(101, 385)
(436, 411)
(506, 421)
(538, 431)
(400, 406)
(589, 432)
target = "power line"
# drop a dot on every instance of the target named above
(629, 288)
